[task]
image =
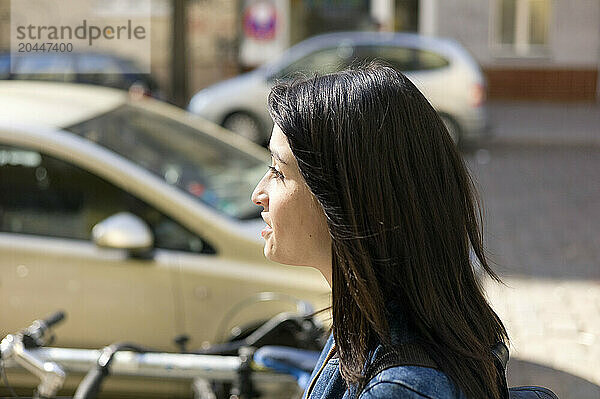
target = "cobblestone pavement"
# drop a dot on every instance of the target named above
(555, 324)
(542, 218)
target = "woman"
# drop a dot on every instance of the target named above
(367, 186)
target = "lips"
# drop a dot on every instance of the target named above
(266, 218)
(268, 229)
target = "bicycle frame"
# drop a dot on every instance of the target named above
(52, 364)
(164, 365)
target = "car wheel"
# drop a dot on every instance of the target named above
(245, 125)
(452, 127)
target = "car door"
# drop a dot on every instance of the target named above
(223, 295)
(48, 207)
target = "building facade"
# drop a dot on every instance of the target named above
(529, 49)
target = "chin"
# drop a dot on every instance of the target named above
(275, 254)
(284, 260)
(274, 258)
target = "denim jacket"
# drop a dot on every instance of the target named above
(403, 382)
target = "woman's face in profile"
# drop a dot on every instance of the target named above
(296, 231)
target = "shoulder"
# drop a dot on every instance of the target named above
(410, 382)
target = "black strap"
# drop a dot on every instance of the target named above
(500, 352)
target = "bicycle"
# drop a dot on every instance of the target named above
(240, 371)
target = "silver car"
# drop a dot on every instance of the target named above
(131, 215)
(441, 68)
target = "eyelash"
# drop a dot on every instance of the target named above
(275, 172)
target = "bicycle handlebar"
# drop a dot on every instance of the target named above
(33, 336)
(53, 319)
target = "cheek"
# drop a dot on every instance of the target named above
(302, 219)
(282, 212)
(288, 211)
(300, 234)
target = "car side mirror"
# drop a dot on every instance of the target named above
(124, 231)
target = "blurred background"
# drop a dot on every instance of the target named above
(528, 49)
(516, 82)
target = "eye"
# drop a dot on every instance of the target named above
(276, 173)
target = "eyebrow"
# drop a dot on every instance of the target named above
(275, 155)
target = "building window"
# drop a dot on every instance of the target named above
(522, 26)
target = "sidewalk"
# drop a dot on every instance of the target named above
(553, 328)
(532, 123)
(553, 324)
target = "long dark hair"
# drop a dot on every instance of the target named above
(403, 216)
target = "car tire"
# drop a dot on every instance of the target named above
(245, 125)
(452, 127)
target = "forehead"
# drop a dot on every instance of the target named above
(279, 147)
(278, 139)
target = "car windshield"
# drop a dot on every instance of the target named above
(215, 173)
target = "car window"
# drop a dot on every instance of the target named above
(97, 63)
(44, 195)
(211, 171)
(402, 58)
(100, 70)
(4, 66)
(46, 67)
(430, 60)
(320, 62)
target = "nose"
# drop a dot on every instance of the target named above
(259, 195)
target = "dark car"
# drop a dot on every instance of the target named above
(116, 72)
